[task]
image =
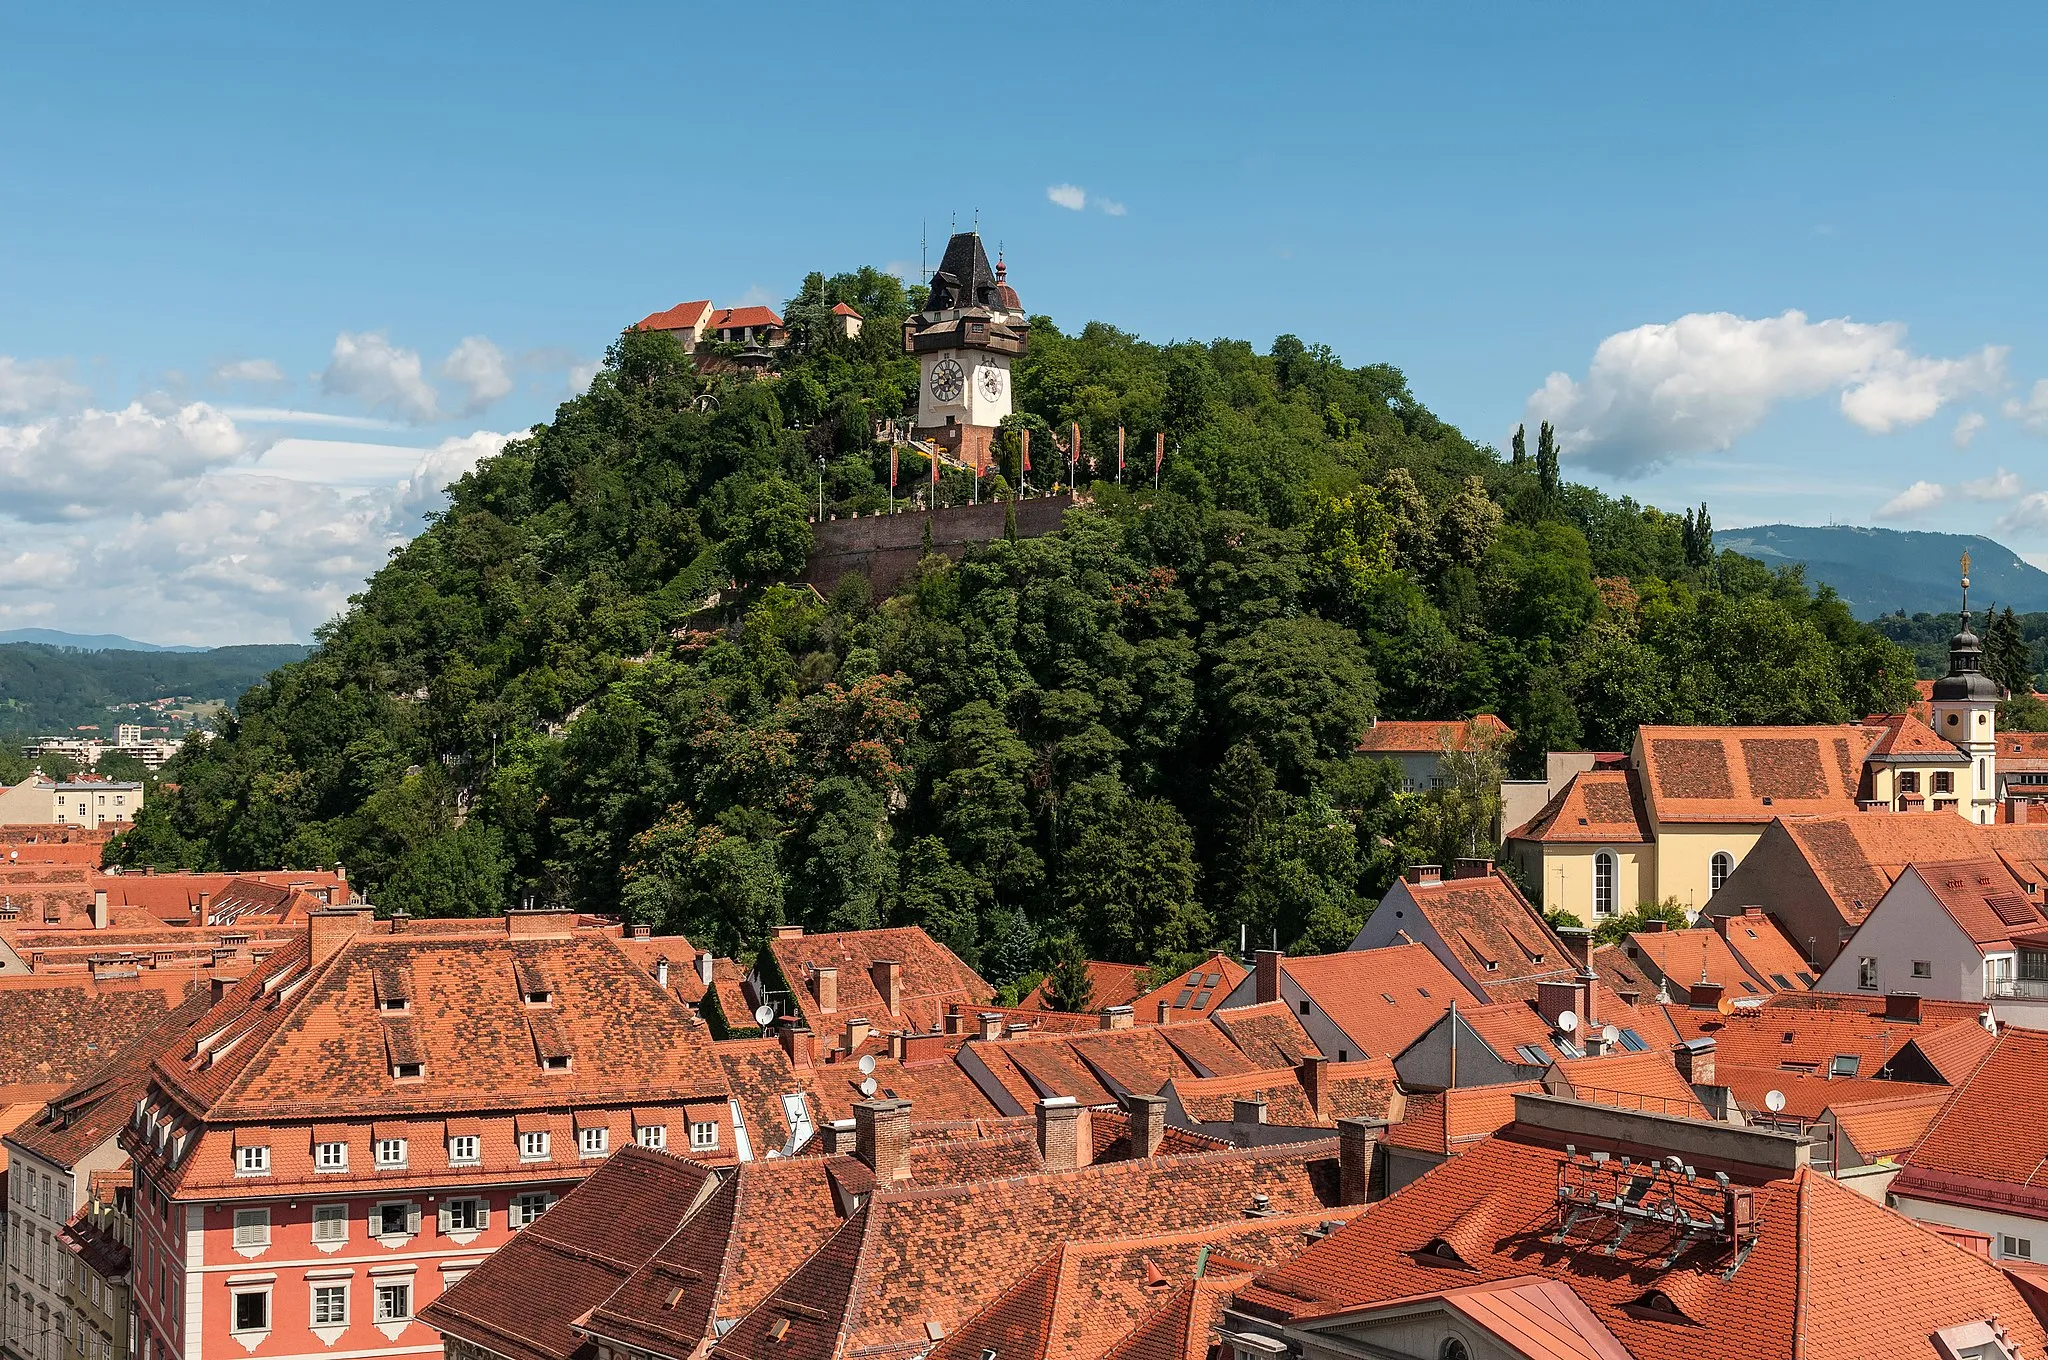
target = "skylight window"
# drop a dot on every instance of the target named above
(1845, 1065)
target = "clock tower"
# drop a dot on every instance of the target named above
(1965, 710)
(971, 330)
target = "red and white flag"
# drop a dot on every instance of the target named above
(1158, 451)
(1119, 453)
(892, 467)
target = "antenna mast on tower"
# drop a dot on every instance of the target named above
(924, 274)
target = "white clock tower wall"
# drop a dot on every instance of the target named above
(988, 389)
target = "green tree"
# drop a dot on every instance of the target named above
(771, 534)
(1068, 984)
(1547, 479)
(56, 765)
(1461, 812)
(460, 872)
(116, 765)
(14, 766)
(1520, 459)
(2007, 657)
(1299, 689)
(1130, 884)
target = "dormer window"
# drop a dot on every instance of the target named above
(534, 987)
(394, 997)
(555, 1062)
(252, 1161)
(390, 1152)
(408, 1071)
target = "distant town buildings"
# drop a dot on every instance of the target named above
(130, 739)
(85, 801)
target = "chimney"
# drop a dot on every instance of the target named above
(1355, 1140)
(340, 874)
(991, 1025)
(1064, 1141)
(1248, 1110)
(856, 1032)
(881, 1138)
(1694, 1059)
(661, 972)
(1117, 1017)
(1656, 925)
(887, 975)
(1267, 966)
(1310, 1075)
(788, 932)
(220, 986)
(1578, 943)
(825, 986)
(100, 917)
(1018, 1027)
(329, 927)
(1165, 1010)
(955, 1021)
(797, 1041)
(1471, 868)
(401, 920)
(839, 1137)
(704, 968)
(642, 931)
(204, 908)
(1424, 873)
(1148, 1123)
(2016, 811)
(1902, 1007)
(1706, 996)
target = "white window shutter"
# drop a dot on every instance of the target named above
(412, 1218)
(445, 1217)
(483, 1213)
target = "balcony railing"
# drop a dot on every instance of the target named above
(2016, 989)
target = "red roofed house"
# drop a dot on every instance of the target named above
(1193, 995)
(1959, 930)
(1359, 1003)
(1541, 1242)
(1418, 748)
(1980, 1164)
(856, 986)
(379, 1105)
(1479, 927)
(692, 323)
(688, 322)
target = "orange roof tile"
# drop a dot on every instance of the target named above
(1493, 932)
(1594, 807)
(1430, 738)
(1889, 1126)
(734, 318)
(1983, 898)
(1989, 1147)
(1347, 1090)
(1856, 857)
(1383, 999)
(1750, 774)
(1194, 994)
(1116, 984)
(1688, 956)
(1445, 1122)
(1905, 738)
(1644, 1080)
(679, 317)
(932, 978)
(1833, 1275)
(1268, 1034)
(1766, 950)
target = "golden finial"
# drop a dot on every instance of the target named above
(1966, 564)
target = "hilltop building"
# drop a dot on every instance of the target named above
(970, 332)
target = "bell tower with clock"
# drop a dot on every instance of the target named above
(971, 329)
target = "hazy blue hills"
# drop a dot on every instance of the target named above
(46, 690)
(86, 642)
(1880, 570)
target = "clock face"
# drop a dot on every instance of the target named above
(992, 382)
(947, 380)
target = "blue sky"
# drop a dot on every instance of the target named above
(269, 276)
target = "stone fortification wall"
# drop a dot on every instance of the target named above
(885, 547)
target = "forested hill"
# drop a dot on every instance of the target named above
(47, 690)
(1130, 736)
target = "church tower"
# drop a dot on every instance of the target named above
(1965, 707)
(971, 329)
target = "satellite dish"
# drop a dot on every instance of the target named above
(1567, 1022)
(1727, 1006)
(867, 1065)
(1774, 1101)
(1610, 1034)
(764, 1015)
(868, 1086)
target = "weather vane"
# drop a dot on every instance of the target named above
(1966, 583)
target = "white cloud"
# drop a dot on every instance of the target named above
(248, 371)
(2031, 412)
(1699, 383)
(581, 373)
(756, 296)
(377, 373)
(1068, 196)
(1999, 486)
(100, 462)
(1111, 206)
(2030, 516)
(33, 386)
(478, 367)
(1914, 500)
(278, 415)
(1967, 428)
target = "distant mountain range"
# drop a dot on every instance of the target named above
(1877, 571)
(87, 642)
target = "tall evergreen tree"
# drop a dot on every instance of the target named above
(1546, 459)
(2007, 658)
(1521, 454)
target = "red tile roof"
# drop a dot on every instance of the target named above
(734, 318)
(1493, 932)
(1983, 898)
(1989, 1147)
(1350, 1090)
(1116, 984)
(57, 1034)
(933, 977)
(1446, 1122)
(679, 317)
(1430, 738)
(1750, 774)
(1856, 857)
(1267, 1034)
(1194, 994)
(1906, 739)
(1688, 956)
(1595, 807)
(1644, 1080)
(1889, 1127)
(1766, 950)
(1383, 999)
(1832, 1275)
(90, 1112)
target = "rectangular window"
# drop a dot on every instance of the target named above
(1866, 974)
(394, 1302)
(652, 1136)
(463, 1150)
(396, 1220)
(331, 1157)
(390, 1152)
(533, 1147)
(330, 1223)
(330, 1305)
(1944, 782)
(252, 1227)
(1844, 1065)
(593, 1142)
(252, 1311)
(703, 1136)
(464, 1215)
(252, 1161)
(527, 1208)
(1922, 968)
(2016, 1248)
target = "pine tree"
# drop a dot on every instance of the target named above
(1521, 458)
(2007, 658)
(1546, 460)
(927, 550)
(1010, 520)
(1068, 987)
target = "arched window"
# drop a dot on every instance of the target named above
(1454, 1349)
(1718, 869)
(1603, 883)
